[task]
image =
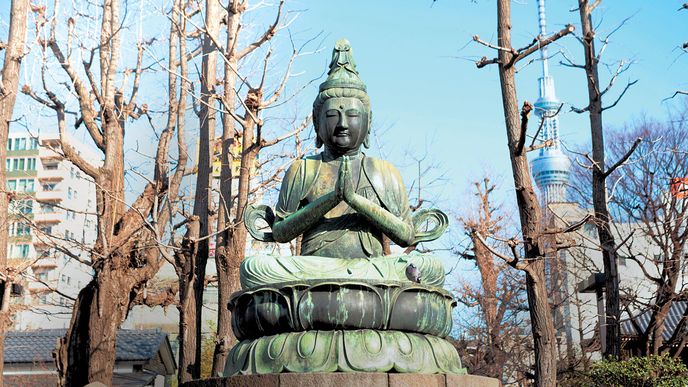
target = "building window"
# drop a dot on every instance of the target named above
(42, 276)
(18, 164)
(70, 192)
(31, 164)
(33, 143)
(24, 206)
(11, 185)
(19, 144)
(47, 207)
(47, 230)
(25, 185)
(8, 165)
(50, 167)
(20, 251)
(21, 229)
(49, 187)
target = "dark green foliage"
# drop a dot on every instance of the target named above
(663, 371)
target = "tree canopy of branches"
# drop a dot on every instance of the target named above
(534, 249)
(244, 96)
(499, 297)
(600, 170)
(650, 194)
(127, 251)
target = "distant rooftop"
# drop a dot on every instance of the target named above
(38, 346)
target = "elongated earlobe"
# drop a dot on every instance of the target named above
(318, 142)
(366, 141)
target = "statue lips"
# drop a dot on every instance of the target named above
(342, 132)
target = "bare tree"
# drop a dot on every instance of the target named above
(500, 297)
(241, 102)
(651, 195)
(244, 120)
(600, 172)
(530, 213)
(14, 52)
(127, 252)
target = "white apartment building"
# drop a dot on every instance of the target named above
(52, 211)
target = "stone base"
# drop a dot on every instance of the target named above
(347, 379)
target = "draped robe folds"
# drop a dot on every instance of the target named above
(344, 245)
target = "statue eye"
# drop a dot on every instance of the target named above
(353, 113)
(331, 113)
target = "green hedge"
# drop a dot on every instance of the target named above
(661, 371)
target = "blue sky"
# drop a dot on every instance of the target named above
(417, 59)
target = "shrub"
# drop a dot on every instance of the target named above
(663, 371)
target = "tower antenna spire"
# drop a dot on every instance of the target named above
(542, 21)
(551, 167)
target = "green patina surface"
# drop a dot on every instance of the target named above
(362, 350)
(265, 270)
(341, 306)
(333, 305)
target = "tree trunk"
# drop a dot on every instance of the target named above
(203, 195)
(599, 188)
(529, 211)
(227, 274)
(187, 303)
(98, 311)
(14, 52)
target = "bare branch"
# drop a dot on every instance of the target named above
(525, 114)
(484, 62)
(544, 42)
(267, 35)
(594, 5)
(623, 158)
(677, 92)
(580, 111)
(570, 228)
(542, 123)
(544, 144)
(514, 262)
(620, 95)
(294, 132)
(477, 39)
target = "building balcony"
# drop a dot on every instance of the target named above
(51, 175)
(19, 239)
(50, 196)
(22, 153)
(51, 157)
(41, 243)
(46, 263)
(47, 217)
(20, 174)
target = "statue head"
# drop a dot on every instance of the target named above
(341, 111)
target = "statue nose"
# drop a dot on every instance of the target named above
(343, 121)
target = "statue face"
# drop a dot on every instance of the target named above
(343, 123)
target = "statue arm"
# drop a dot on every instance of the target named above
(398, 229)
(284, 230)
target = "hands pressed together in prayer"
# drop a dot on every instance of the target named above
(344, 187)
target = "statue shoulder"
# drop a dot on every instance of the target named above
(386, 180)
(297, 183)
(303, 169)
(377, 169)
